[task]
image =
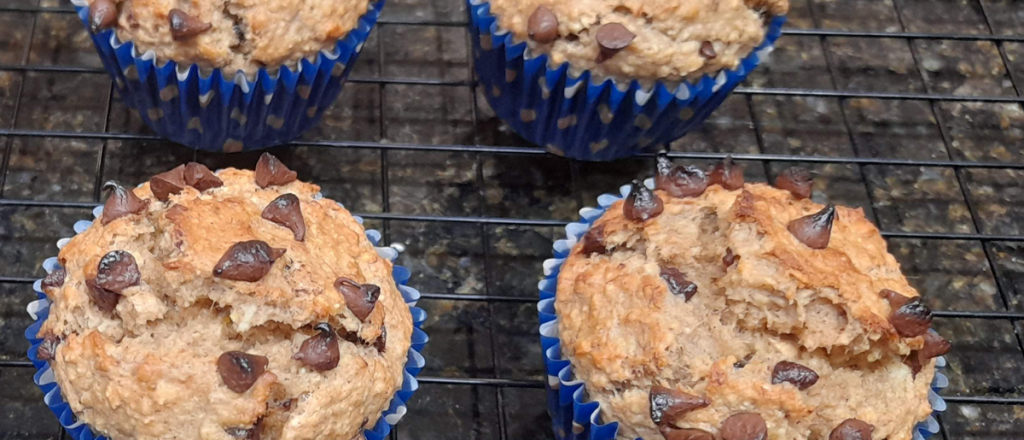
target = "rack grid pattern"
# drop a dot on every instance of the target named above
(982, 229)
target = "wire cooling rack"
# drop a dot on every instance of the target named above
(911, 110)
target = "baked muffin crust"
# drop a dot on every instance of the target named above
(715, 297)
(674, 39)
(151, 367)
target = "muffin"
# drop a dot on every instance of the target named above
(600, 80)
(235, 304)
(710, 308)
(228, 75)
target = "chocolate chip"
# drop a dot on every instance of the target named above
(285, 211)
(285, 405)
(911, 319)
(685, 434)
(247, 261)
(239, 370)
(320, 352)
(102, 15)
(852, 429)
(247, 433)
(167, 183)
(105, 300)
(641, 204)
(184, 26)
(47, 350)
(271, 172)
(744, 426)
(542, 26)
(797, 181)
(914, 362)
(934, 346)
(730, 258)
(743, 362)
(895, 299)
(593, 241)
(677, 283)
(54, 279)
(117, 271)
(707, 50)
(350, 336)
(121, 202)
(668, 404)
(200, 177)
(727, 174)
(814, 230)
(794, 373)
(360, 298)
(680, 181)
(611, 38)
(382, 341)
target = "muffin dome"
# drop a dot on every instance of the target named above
(640, 39)
(226, 305)
(229, 34)
(697, 312)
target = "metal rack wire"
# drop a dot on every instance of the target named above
(490, 296)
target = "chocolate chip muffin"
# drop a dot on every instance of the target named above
(227, 305)
(710, 308)
(229, 34)
(645, 40)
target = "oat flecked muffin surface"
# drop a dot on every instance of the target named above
(229, 34)
(240, 307)
(728, 314)
(640, 39)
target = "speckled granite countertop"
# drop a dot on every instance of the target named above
(473, 338)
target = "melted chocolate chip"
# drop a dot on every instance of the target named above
(727, 174)
(668, 404)
(167, 183)
(381, 343)
(285, 211)
(271, 172)
(852, 429)
(200, 177)
(641, 204)
(934, 346)
(895, 299)
(744, 426)
(105, 300)
(680, 181)
(678, 285)
(685, 434)
(320, 352)
(730, 258)
(54, 279)
(542, 26)
(246, 433)
(239, 370)
(814, 230)
(360, 298)
(707, 50)
(593, 241)
(247, 261)
(797, 181)
(121, 202)
(794, 373)
(611, 38)
(911, 319)
(47, 350)
(102, 15)
(184, 26)
(117, 271)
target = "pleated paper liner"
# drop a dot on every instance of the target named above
(574, 416)
(225, 111)
(587, 118)
(77, 430)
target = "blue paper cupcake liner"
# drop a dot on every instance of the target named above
(574, 416)
(583, 117)
(225, 111)
(77, 430)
